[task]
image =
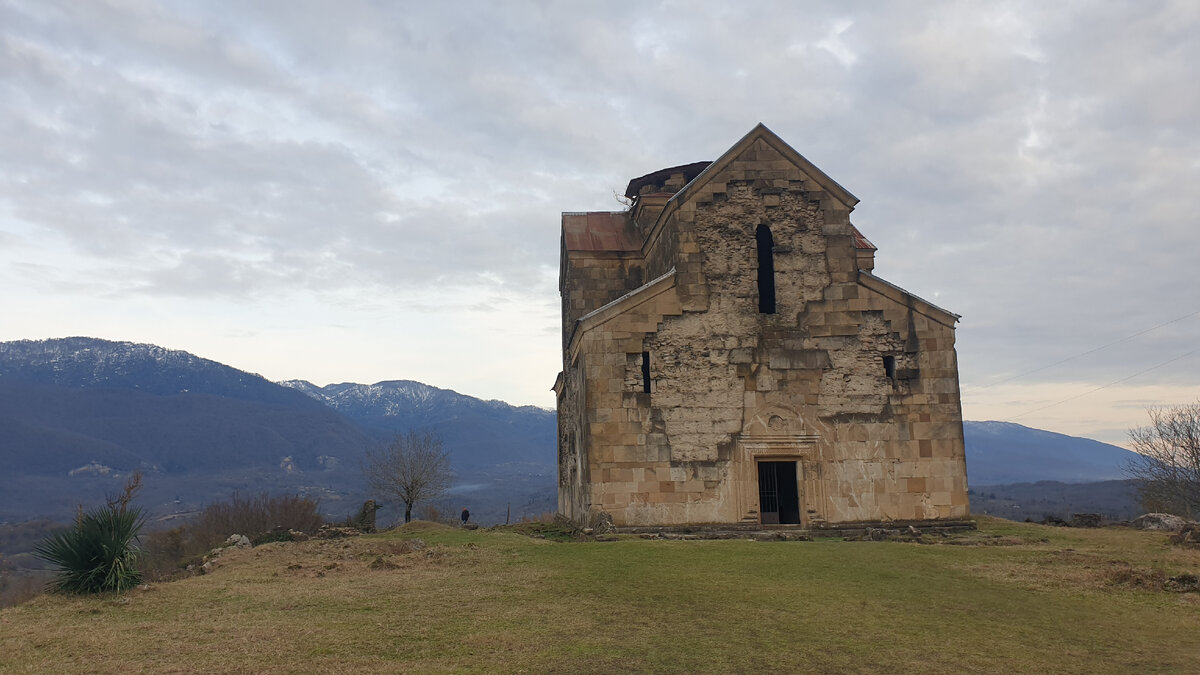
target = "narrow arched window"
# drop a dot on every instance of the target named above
(766, 269)
(646, 372)
(889, 367)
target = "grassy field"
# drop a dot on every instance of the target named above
(1010, 598)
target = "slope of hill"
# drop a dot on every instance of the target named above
(1113, 499)
(1003, 452)
(504, 456)
(1010, 598)
(89, 363)
(481, 433)
(78, 414)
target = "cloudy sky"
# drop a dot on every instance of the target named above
(361, 191)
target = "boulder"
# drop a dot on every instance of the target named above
(1163, 522)
(210, 561)
(277, 534)
(602, 522)
(334, 532)
(237, 541)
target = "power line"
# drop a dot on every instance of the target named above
(1082, 354)
(1105, 386)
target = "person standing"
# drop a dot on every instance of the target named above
(466, 515)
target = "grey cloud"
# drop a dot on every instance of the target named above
(1029, 166)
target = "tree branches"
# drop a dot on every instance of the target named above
(413, 468)
(1168, 470)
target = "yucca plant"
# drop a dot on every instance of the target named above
(99, 553)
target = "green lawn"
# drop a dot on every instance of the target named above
(1043, 600)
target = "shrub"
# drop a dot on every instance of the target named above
(255, 516)
(98, 554)
(17, 586)
(169, 552)
(440, 511)
(543, 517)
(261, 518)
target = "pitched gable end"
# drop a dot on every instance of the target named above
(760, 140)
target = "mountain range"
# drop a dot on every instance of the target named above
(1004, 452)
(78, 414)
(481, 433)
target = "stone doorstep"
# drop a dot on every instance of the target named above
(793, 532)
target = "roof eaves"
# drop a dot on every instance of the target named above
(760, 130)
(861, 242)
(630, 300)
(950, 317)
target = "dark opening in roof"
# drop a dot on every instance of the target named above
(689, 172)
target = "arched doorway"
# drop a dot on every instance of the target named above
(775, 475)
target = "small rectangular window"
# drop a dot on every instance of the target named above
(646, 372)
(889, 367)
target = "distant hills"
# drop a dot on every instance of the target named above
(1003, 452)
(482, 433)
(78, 414)
(1113, 499)
(91, 363)
(66, 404)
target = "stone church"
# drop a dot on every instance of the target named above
(730, 357)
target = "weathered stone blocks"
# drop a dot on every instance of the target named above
(849, 388)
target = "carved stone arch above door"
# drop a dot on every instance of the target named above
(776, 452)
(773, 420)
(776, 430)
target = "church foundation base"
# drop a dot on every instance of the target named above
(878, 531)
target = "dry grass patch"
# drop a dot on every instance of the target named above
(498, 601)
(1086, 559)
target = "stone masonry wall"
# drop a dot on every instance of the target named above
(592, 280)
(574, 475)
(852, 378)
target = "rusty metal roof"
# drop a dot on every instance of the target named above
(862, 242)
(600, 231)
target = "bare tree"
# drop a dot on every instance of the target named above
(412, 468)
(1167, 469)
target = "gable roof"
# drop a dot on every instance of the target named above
(761, 132)
(619, 306)
(860, 241)
(689, 172)
(599, 231)
(887, 288)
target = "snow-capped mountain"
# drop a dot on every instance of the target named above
(78, 414)
(82, 362)
(403, 398)
(481, 432)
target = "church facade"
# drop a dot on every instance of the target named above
(729, 357)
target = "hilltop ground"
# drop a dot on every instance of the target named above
(1012, 597)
